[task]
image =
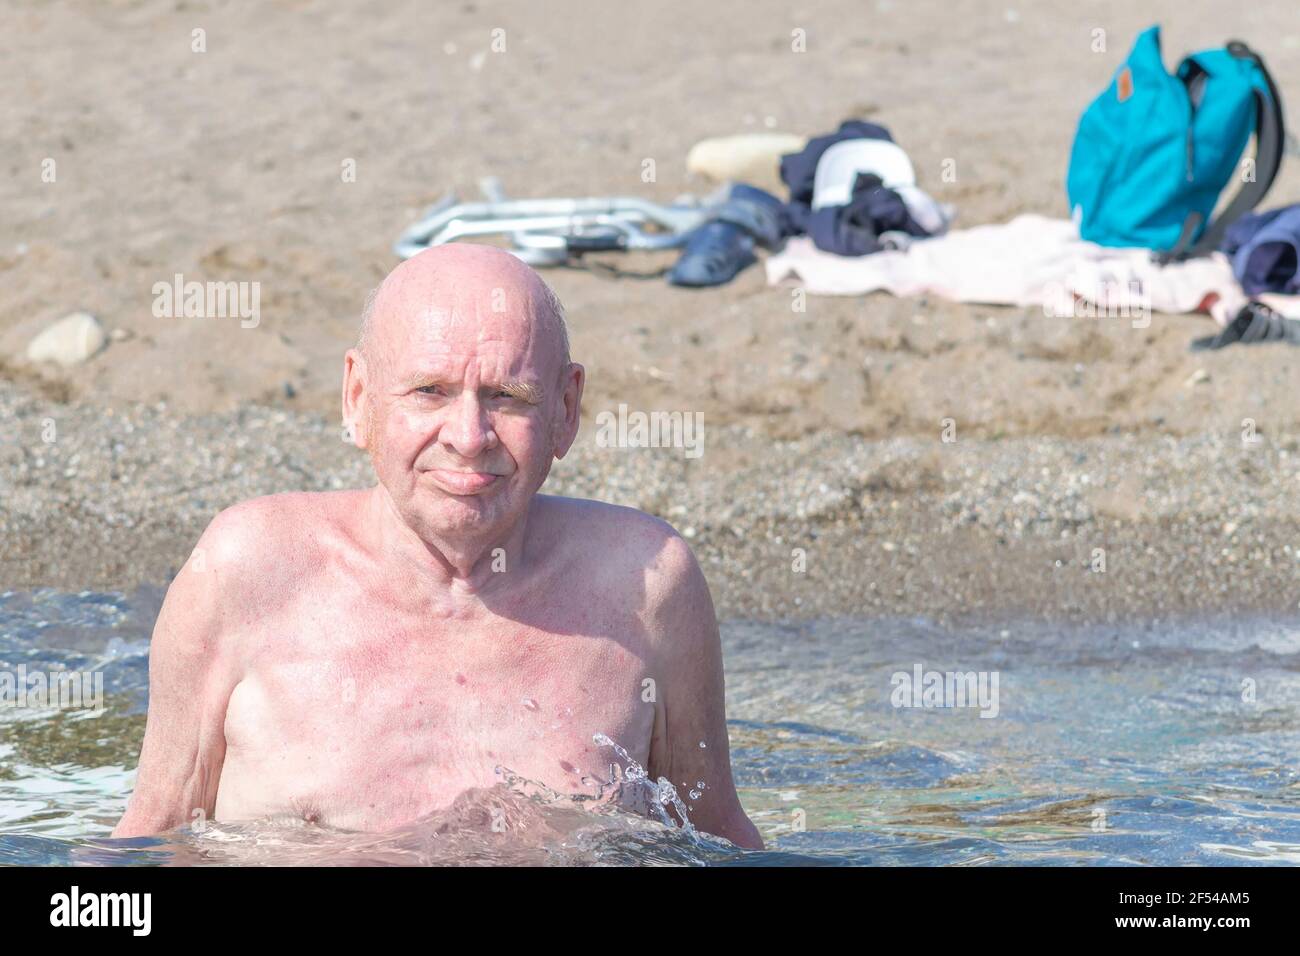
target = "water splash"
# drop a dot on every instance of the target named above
(659, 795)
(518, 822)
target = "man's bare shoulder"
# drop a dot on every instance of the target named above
(263, 545)
(622, 547)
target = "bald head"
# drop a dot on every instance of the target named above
(461, 390)
(470, 279)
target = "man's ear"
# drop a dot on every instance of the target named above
(354, 399)
(566, 428)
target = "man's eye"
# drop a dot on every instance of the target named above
(430, 389)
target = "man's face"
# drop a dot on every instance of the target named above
(464, 411)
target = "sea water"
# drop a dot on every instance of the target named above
(875, 741)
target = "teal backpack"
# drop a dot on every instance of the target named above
(1154, 151)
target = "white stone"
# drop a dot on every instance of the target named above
(69, 341)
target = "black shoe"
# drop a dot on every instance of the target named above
(1255, 323)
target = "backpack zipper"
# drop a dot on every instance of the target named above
(1195, 91)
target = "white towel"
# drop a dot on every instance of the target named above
(1029, 261)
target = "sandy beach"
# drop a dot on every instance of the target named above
(1073, 436)
(995, 587)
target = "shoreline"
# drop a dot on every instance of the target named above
(1107, 528)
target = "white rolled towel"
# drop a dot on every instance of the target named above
(746, 157)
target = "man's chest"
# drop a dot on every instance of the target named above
(370, 726)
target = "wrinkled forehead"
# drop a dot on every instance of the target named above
(423, 319)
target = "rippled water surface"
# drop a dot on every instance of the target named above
(1159, 744)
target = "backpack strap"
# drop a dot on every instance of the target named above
(1269, 137)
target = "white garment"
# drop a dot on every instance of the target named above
(841, 163)
(1029, 261)
(934, 217)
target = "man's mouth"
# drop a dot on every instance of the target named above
(462, 482)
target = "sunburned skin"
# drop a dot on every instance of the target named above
(357, 659)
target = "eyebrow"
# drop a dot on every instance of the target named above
(524, 391)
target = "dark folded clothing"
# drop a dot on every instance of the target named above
(1264, 248)
(798, 170)
(851, 228)
(855, 229)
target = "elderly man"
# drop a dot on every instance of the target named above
(360, 658)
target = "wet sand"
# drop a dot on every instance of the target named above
(823, 427)
(1117, 526)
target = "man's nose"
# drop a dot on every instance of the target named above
(468, 430)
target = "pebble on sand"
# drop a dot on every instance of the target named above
(70, 341)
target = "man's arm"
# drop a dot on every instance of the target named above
(690, 747)
(190, 681)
